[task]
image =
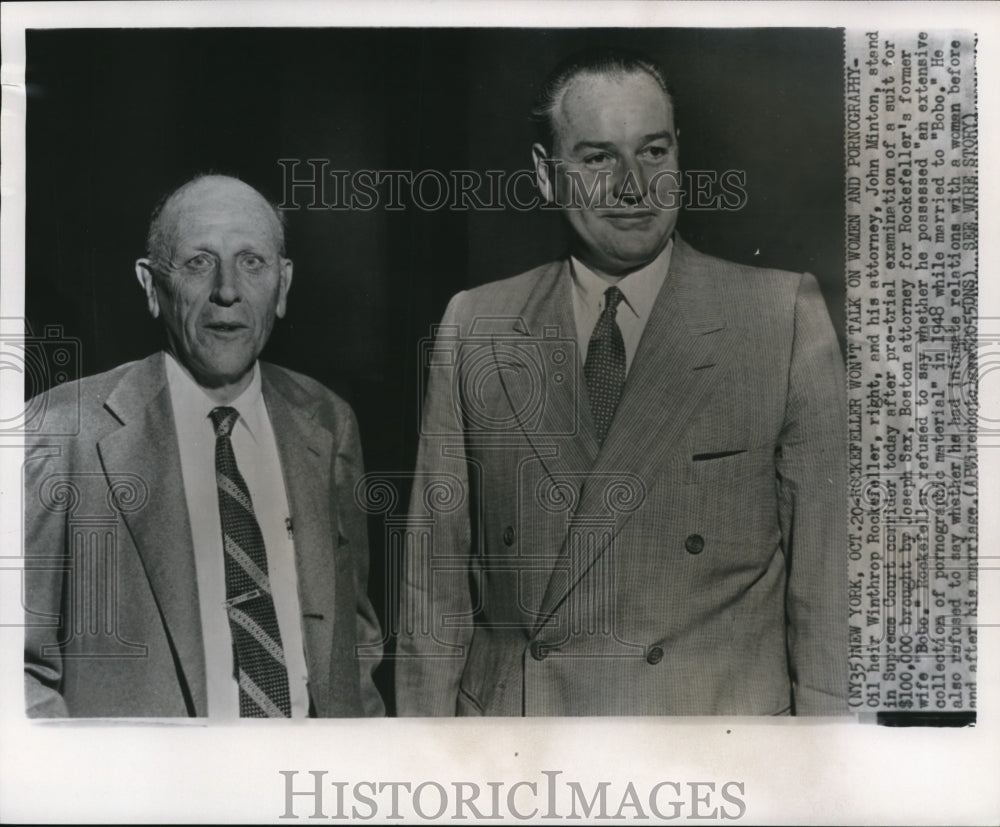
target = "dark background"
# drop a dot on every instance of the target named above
(118, 117)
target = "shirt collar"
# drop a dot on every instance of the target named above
(640, 288)
(190, 398)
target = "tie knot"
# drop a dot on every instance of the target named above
(223, 420)
(612, 298)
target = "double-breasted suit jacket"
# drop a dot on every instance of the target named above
(693, 564)
(113, 624)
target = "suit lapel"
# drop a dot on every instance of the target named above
(684, 351)
(306, 451)
(564, 423)
(562, 436)
(146, 445)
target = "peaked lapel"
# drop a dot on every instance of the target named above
(684, 351)
(306, 451)
(146, 445)
(563, 437)
(565, 422)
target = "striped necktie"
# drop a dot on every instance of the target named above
(258, 659)
(604, 368)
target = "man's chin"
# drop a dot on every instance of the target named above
(218, 376)
(626, 261)
(628, 251)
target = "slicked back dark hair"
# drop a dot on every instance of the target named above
(606, 61)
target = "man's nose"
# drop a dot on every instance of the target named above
(630, 183)
(225, 291)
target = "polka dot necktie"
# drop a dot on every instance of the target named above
(604, 369)
(258, 659)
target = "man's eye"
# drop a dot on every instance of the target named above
(251, 261)
(656, 152)
(200, 263)
(597, 159)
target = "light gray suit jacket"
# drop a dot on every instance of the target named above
(113, 624)
(695, 564)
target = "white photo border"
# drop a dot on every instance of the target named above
(792, 771)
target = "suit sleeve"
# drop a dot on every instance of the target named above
(44, 576)
(812, 485)
(349, 469)
(433, 640)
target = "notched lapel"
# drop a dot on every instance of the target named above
(306, 450)
(146, 445)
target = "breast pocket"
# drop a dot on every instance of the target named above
(730, 464)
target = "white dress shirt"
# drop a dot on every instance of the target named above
(258, 461)
(640, 290)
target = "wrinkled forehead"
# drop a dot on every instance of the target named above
(223, 212)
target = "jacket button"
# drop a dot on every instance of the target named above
(508, 536)
(538, 650)
(694, 543)
(654, 655)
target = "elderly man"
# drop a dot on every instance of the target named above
(645, 449)
(195, 550)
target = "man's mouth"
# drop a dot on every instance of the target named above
(225, 327)
(629, 218)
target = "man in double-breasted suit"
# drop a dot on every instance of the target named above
(630, 496)
(194, 549)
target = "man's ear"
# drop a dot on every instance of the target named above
(284, 285)
(544, 173)
(144, 272)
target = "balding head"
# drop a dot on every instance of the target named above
(163, 221)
